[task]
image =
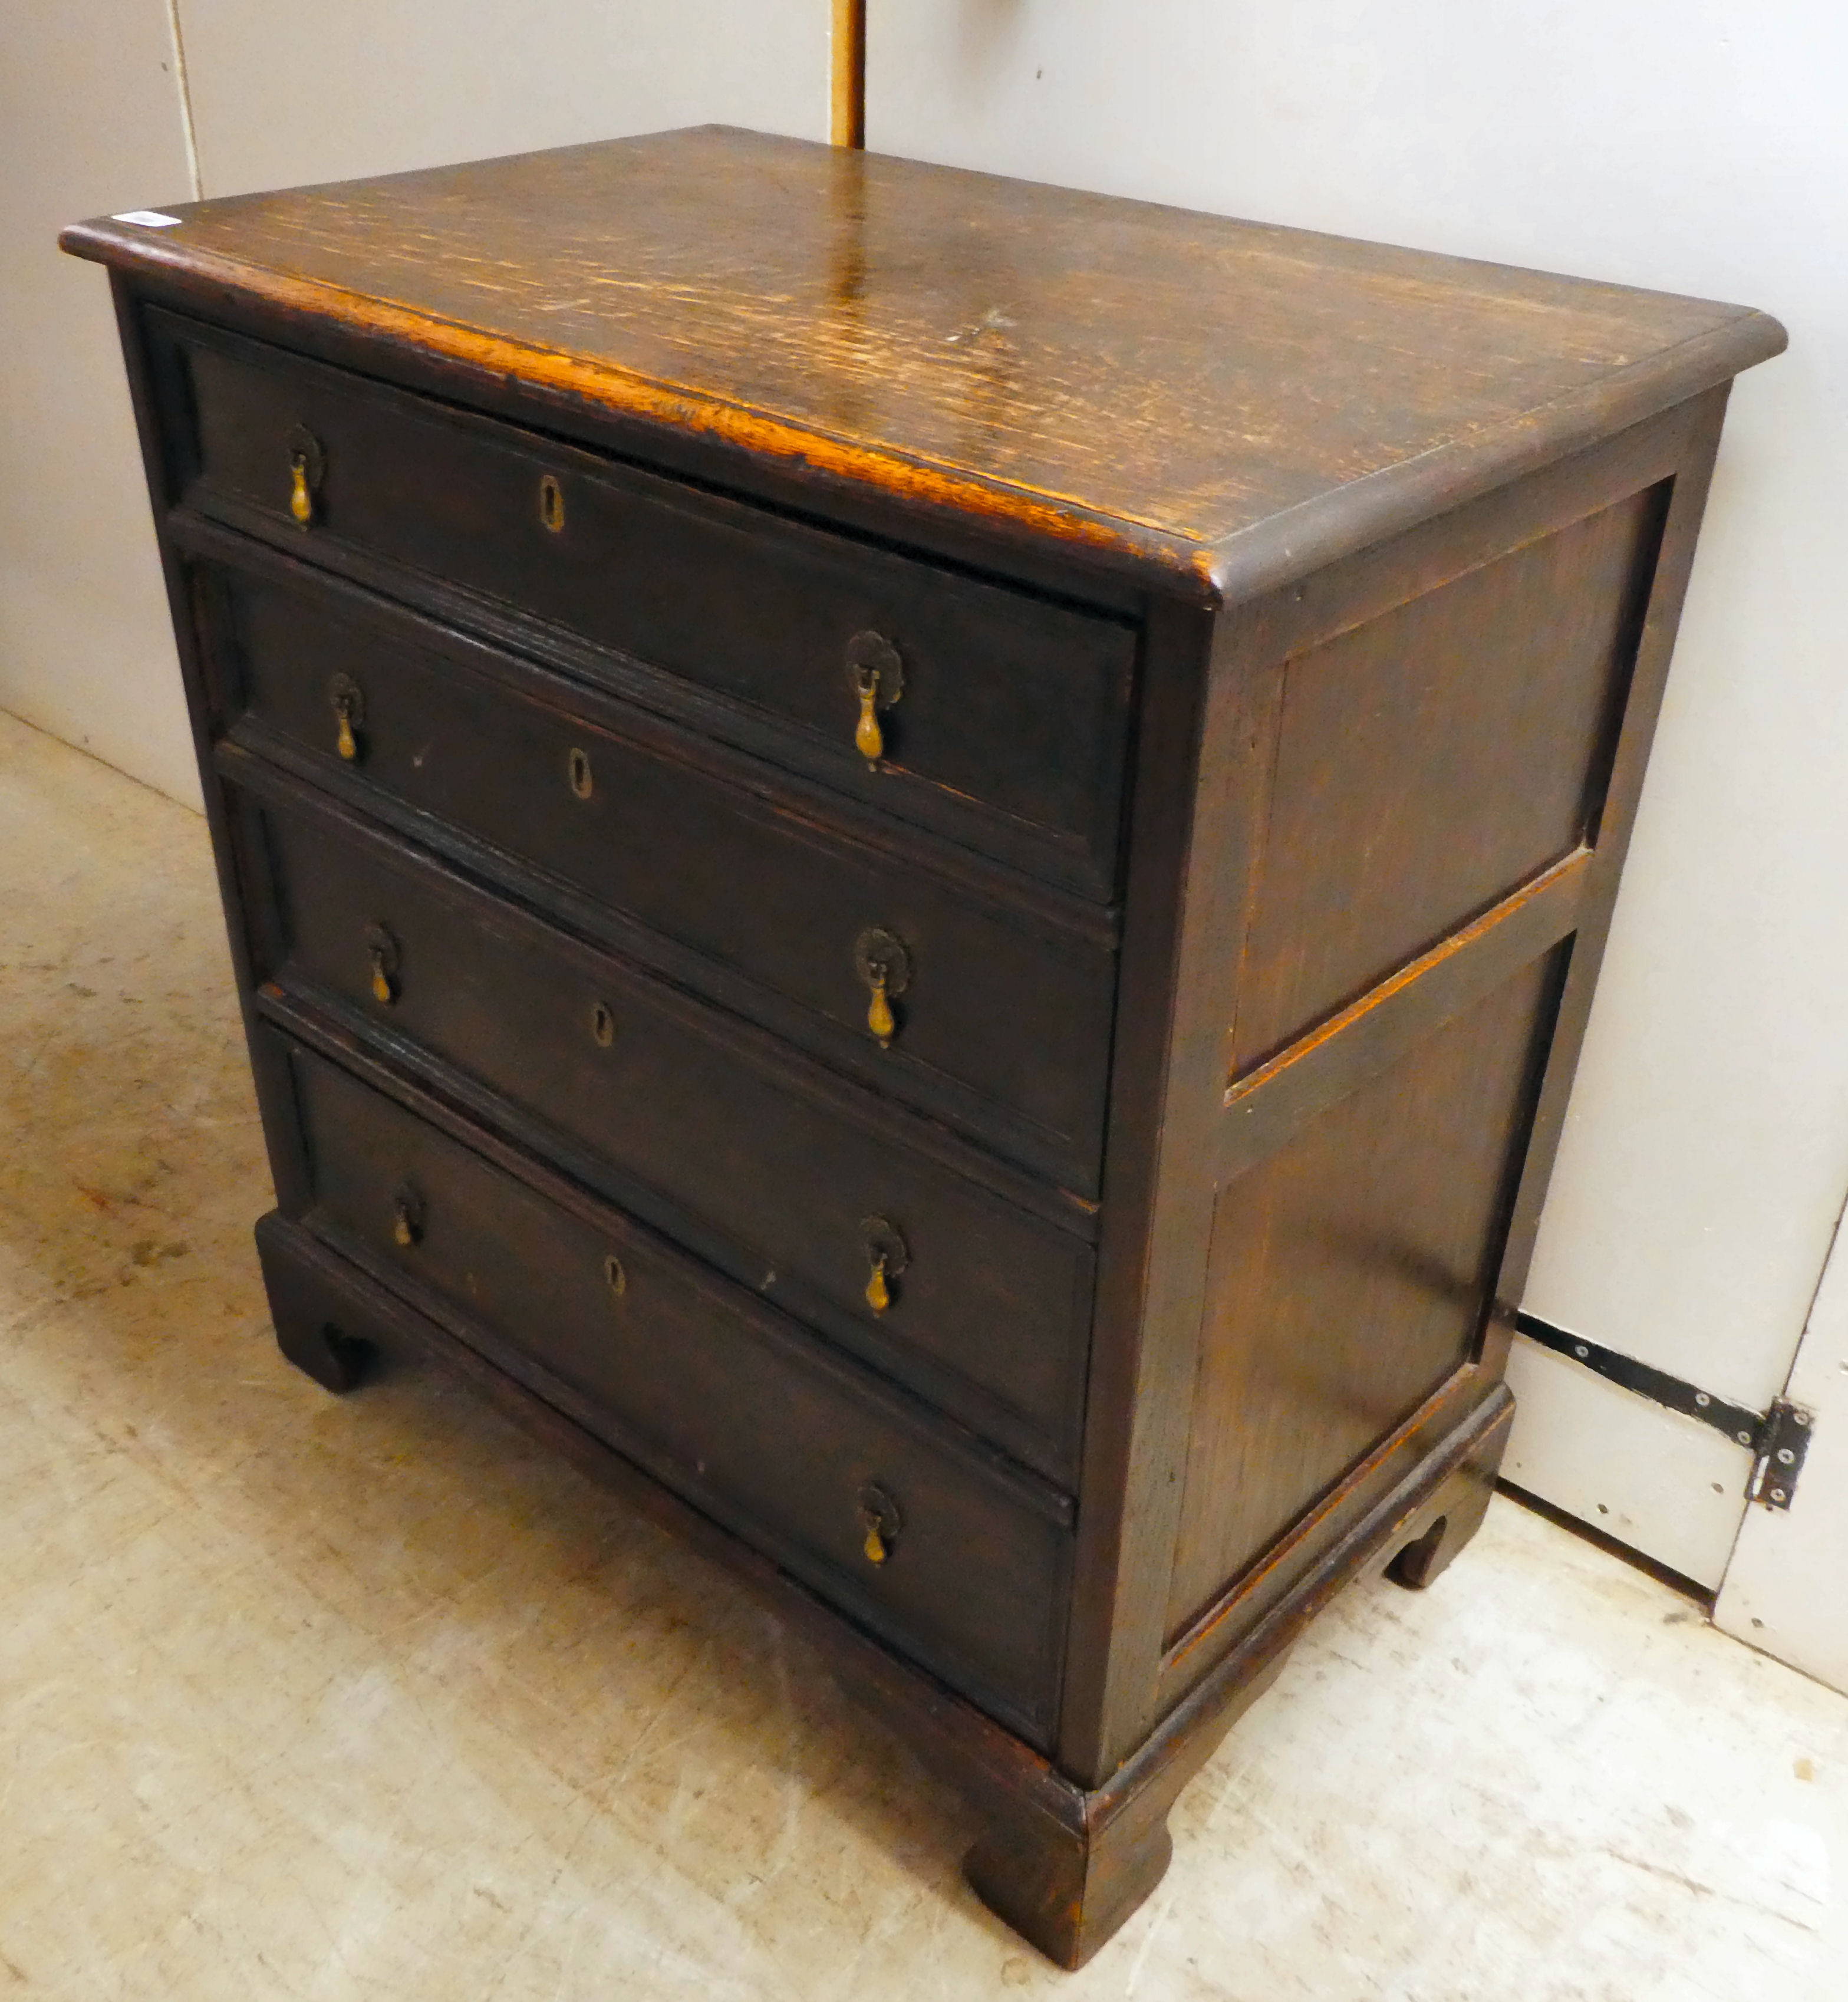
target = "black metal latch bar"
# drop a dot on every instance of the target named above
(1779, 1438)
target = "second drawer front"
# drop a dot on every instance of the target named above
(999, 1020)
(987, 1306)
(915, 1538)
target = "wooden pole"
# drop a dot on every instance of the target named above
(848, 74)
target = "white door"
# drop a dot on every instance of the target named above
(1786, 1590)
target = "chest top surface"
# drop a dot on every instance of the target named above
(1206, 395)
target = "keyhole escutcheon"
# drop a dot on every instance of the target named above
(552, 503)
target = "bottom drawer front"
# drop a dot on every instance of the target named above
(903, 1527)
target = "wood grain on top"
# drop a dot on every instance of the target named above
(1168, 383)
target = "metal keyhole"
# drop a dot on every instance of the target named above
(552, 503)
(614, 1277)
(603, 1025)
(577, 769)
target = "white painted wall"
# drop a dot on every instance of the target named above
(1697, 145)
(92, 120)
(284, 94)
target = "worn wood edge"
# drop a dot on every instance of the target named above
(994, 1770)
(1394, 1015)
(1111, 583)
(1441, 549)
(1210, 569)
(1285, 547)
(682, 406)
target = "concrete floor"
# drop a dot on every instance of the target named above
(301, 1697)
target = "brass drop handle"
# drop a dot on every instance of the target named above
(307, 464)
(348, 703)
(888, 1255)
(882, 962)
(869, 739)
(877, 675)
(881, 1521)
(407, 1217)
(880, 1018)
(381, 950)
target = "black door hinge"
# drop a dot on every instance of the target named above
(1781, 1446)
(1779, 1438)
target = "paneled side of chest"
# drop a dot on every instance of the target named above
(1368, 932)
(680, 944)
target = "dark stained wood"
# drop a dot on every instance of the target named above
(1123, 1673)
(1266, 1105)
(1005, 1022)
(1189, 850)
(1289, 618)
(682, 1375)
(1077, 362)
(1413, 793)
(1009, 702)
(721, 1137)
(1349, 1275)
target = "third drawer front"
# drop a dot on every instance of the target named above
(998, 1015)
(960, 1564)
(806, 1189)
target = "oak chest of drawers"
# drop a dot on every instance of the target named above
(920, 860)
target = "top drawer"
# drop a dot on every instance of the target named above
(1000, 715)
